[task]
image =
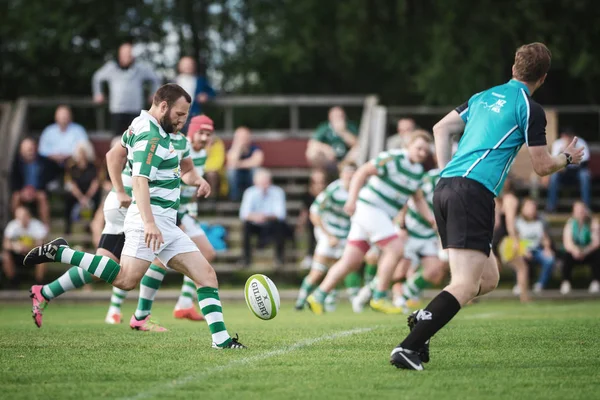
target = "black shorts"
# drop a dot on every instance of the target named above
(464, 214)
(112, 243)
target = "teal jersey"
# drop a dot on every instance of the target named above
(498, 122)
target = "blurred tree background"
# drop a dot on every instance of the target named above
(407, 51)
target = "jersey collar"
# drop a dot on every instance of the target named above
(146, 114)
(520, 85)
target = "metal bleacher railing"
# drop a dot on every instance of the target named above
(14, 118)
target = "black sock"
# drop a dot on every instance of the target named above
(430, 320)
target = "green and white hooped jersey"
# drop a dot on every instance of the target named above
(396, 181)
(416, 225)
(151, 154)
(329, 205)
(188, 193)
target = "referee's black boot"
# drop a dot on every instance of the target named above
(423, 351)
(406, 359)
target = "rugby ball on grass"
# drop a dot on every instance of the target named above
(262, 297)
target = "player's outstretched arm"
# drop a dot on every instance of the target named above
(451, 124)
(189, 176)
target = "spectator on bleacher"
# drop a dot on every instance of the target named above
(242, 158)
(404, 128)
(194, 84)
(533, 233)
(333, 141)
(58, 141)
(317, 183)
(81, 184)
(29, 176)
(581, 240)
(214, 169)
(573, 173)
(21, 235)
(125, 78)
(263, 212)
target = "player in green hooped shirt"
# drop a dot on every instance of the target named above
(150, 224)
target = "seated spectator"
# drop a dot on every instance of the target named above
(405, 127)
(317, 183)
(242, 158)
(581, 240)
(333, 141)
(194, 84)
(59, 140)
(533, 233)
(263, 212)
(572, 173)
(29, 176)
(21, 235)
(214, 169)
(81, 184)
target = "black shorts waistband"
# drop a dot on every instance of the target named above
(459, 181)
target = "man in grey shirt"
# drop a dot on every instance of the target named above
(125, 80)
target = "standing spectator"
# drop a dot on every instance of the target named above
(405, 127)
(532, 230)
(263, 213)
(317, 183)
(214, 169)
(572, 172)
(242, 158)
(581, 239)
(195, 85)
(58, 141)
(29, 176)
(81, 183)
(125, 80)
(21, 235)
(333, 140)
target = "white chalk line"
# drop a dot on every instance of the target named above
(243, 361)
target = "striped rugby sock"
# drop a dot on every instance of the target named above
(100, 266)
(149, 286)
(116, 300)
(74, 278)
(210, 306)
(305, 290)
(186, 297)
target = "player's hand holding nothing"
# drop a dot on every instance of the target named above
(153, 236)
(124, 200)
(203, 188)
(350, 207)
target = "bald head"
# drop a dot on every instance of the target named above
(28, 150)
(63, 116)
(336, 113)
(406, 126)
(125, 55)
(262, 178)
(242, 136)
(187, 66)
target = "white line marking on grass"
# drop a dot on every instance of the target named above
(242, 361)
(484, 315)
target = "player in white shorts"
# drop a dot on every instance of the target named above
(332, 225)
(393, 177)
(150, 223)
(200, 131)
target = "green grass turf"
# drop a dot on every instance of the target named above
(492, 350)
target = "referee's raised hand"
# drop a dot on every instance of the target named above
(575, 152)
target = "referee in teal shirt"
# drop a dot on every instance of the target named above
(496, 123)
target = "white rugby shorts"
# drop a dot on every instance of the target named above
(323, 247)
(114, 216)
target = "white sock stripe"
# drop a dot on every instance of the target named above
(220, 337)
(116, 299)
(214, 317)
(209, 302)
(80, 272)
(67, 255)
(86, 261)
(48, 292)
(187, 289)
(187, 279)
(155, 275)
(65, 282)
(147, 293)
(184, 302)
(101, 266)
(120, 291)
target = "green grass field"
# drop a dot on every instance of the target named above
(492, 350)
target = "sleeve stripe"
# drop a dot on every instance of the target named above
(464, 111)
(528, 111)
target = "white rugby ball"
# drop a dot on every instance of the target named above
(262, 296)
